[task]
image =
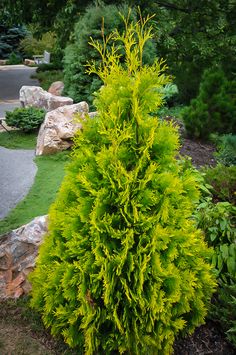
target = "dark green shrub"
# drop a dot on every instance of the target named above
(123, 269)
(14, 59)
(78, 85)
(223, 181)
(214, 109)
(49, 67)
(226, 149)
(27, 119)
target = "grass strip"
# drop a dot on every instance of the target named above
(18, 140)
(51, 170)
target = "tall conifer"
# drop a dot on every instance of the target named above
(123, 269)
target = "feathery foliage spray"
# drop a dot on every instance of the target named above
(123, 269)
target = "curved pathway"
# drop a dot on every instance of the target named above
(17, 168)
(17, 173)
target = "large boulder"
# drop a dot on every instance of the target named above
(37, 97)
(59, 127)
(18, 250)
(56, 88)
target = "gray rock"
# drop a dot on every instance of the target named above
(18, 250)
(37, 97)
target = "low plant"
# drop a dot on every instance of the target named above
(49, 67)
(223, 181)
(27, 119)
(14, 58)
(226, 149)
(46, 78)
(223, 309)
(218, 221)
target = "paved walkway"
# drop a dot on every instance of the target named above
(12, 78)
(17, 173)
(17, 168)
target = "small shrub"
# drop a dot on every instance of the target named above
(49, 67)
(14, 59)
(27, 119)
(226, 149)
(223, 182)
(214, 109)
(223, 309)
(218, 221)
(123, 269)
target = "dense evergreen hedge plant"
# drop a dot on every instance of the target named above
(25, 118)
(123, 268)
(214, 109)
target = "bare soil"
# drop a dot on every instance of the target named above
(202, 154)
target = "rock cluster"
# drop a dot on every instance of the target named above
(59, 127)
(18, 250)
(37, 97)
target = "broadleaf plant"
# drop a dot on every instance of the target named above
(123, 268)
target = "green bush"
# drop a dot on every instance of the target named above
(223, 309)
(78, 85)
(27, 119)
(218, 221)
(123, 269)
(214, 109)
(33, 46)
(48, 67)
(226, 149)
(223, 181)
(14, 59)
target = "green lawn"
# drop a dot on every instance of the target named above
(18, 140)
(47, 182)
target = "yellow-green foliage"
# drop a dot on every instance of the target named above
(123, 269)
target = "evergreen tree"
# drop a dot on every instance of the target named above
(123, 269)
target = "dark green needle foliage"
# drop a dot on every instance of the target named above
(78, 84)
(123, 269)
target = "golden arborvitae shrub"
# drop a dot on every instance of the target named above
(123, 269)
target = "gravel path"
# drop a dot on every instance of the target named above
(17, 173)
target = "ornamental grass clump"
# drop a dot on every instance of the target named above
(123, 268)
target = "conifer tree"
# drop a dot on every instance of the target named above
(123, 269)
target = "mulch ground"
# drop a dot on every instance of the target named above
(202, 154)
